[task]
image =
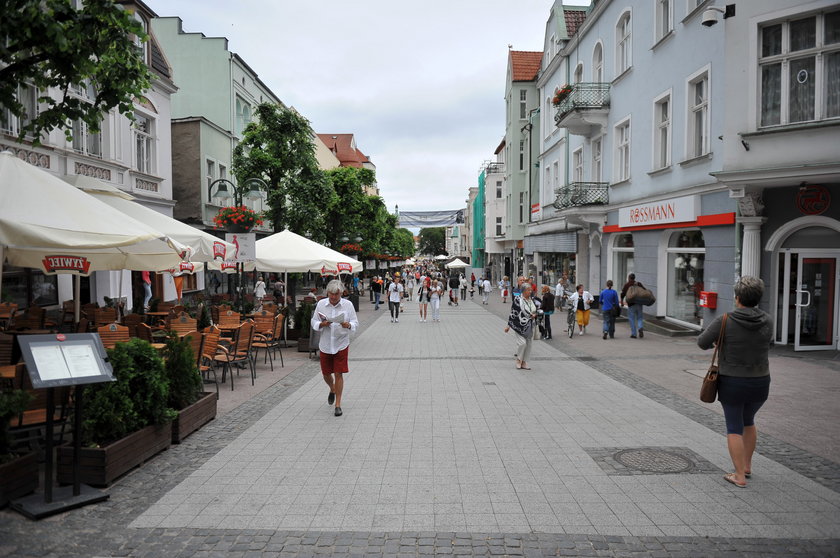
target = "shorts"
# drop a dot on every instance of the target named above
(582, 317)
(336, 363)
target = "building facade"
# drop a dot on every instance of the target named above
(342, 148)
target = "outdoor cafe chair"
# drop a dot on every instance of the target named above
(182, 324)
(131, 321)
(207, 357)
(68, 313)
(7, 314)
(112, 334)
(229, 319)
(7, 347)
(269, 341)
(32, 318)
(83, 325)
(144, 332)
(104, 316)
(237, 352)
(196, 340)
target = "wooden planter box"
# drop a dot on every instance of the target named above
(303, 345)
(292, 334)
(18, 478)
(193, 417)
(101, 466)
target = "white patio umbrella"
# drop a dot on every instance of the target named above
(456, 263)
(289, 252)
(440, 257)
(47, 224)
(204, 247)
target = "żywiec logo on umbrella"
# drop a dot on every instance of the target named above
(57, 264)
(219, 251)
(344, 267)
(183, 267)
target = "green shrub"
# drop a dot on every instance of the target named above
(138, 398)
(185, 385)
(12, 403)
(303, 319)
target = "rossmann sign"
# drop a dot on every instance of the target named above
(675, 210)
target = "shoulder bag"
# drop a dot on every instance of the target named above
(708, 391)
(637, 294)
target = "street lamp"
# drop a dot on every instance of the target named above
(252, 188)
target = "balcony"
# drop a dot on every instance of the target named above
(578, 194)
(494, 168)
(584, 111)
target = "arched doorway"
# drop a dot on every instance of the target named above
(806, 298)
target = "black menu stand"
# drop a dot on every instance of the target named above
(53, 361)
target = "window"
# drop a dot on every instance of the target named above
(622, 151)
(522, 155)
(143, 143)
(523, 104)
(243, 115)
(686, 256)
(799, 70)
(662, 132)
(598, 64)
(498, 189)
(29, 287)
(222, 171)
(28, 97)
(521, 207)
(556, 167)
(698, 116)
(498, 226)
(577, 165)
(623, 45)
(85, 140)
(664, 20)
(578, 73)
(623, 258)
(597, 148)
(141, 45)
(211, 173)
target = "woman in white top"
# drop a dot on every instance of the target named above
(423, 297)
(259, 291)
(409, 286)
(580, 300)
(434, 298)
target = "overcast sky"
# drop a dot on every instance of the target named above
(420, 84)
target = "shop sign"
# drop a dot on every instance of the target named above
(675, 210)
(536, 212)
(246, 246)
(813, 200)
(56, 264)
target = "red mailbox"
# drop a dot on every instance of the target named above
(708, 300)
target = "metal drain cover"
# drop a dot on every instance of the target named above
(653, 460)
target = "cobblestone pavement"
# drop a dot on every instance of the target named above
(446, 449)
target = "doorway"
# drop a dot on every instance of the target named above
(807, 309)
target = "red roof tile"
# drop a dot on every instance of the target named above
(342, 147)
(525, 64)
(574, 19)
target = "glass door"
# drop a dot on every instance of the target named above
(816, 303)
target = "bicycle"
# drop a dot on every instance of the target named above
(570, 321)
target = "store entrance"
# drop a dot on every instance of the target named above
(809, 299)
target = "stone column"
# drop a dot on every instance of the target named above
(751, 245)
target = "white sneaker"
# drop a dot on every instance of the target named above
(392, 320)
(397, 320)
(581, 332)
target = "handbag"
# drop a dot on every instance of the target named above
(708, 391)
(616, 311)
(637, 294)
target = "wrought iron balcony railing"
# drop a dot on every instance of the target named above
(493, 168)
(577, 194)
(584, 96)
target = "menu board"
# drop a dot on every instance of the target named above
(65, 360)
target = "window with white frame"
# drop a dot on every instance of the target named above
(522, 155)
(523, 104)
(27, 96)
(222, 171)
(597, 159)
(697, 143)
(664, 18)
(243, 115)
(521, 207)
(556, 179)
(141, 45)
(210, 173)
(578, 78)
(662, 132)
(577, 165)
(622, 151)
(498, 189)
(623, 45)
(598, 64)
(143, 143)
(799, 69)
(85, 139)
(498, 226)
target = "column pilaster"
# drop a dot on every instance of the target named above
(751, 245)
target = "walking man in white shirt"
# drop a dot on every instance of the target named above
(335, 318)
(395, 294)
(485, 291)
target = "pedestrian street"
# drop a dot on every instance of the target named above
(441, 434)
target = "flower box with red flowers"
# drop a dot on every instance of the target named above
(351, 248)
(237, 218)
(560, 94)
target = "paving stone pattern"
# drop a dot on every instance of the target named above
(444, 449)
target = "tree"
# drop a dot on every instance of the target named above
(433, 241)
(278, 146)
(49, 44)
(405, 243)
(347, 214)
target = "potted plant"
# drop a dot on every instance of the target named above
(18, 472)
(303, 325)
(194, 406)
(560, 94)
(125, 422)
(238, 218)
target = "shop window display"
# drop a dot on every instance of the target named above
(686, 257)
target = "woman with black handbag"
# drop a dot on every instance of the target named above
(744, 379)
(609, 305)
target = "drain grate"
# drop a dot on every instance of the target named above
(650, 461)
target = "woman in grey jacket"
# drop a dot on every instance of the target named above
(744, 381)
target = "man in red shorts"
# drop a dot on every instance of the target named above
(335, 317)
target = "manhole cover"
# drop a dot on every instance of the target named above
(653, 460)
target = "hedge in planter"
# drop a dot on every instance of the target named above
(194, 407)
(18, 473)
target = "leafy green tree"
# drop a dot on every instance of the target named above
(278, 146)
(404, 243)
(433, 241)
(347, 213)
(50, 44)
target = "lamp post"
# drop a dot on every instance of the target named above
(252, 189)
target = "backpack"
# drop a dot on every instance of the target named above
(638, 294)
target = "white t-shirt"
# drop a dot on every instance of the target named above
(487, 287)
(395, 291)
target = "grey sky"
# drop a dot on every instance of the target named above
(420, 84)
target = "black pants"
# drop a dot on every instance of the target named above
(547, 324)
(394, 307)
